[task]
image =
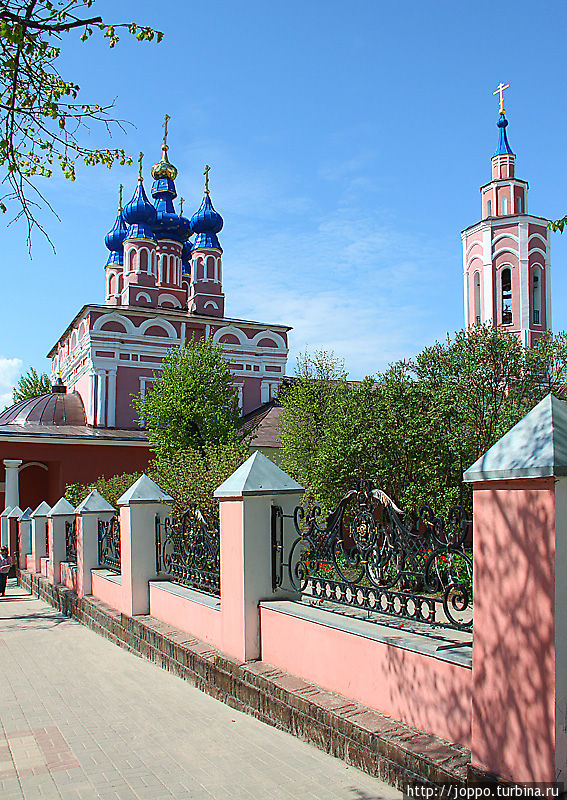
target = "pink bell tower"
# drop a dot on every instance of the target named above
(506, 255)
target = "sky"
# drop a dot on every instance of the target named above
(347, 141)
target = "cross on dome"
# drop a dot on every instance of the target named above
(206, 174)
(500, 91)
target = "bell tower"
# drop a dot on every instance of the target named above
(506, 257)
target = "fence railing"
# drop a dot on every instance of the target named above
(71, 542)
(364, 556)
(109, 543)
(188, 550)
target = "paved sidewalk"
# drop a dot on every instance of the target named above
(83, 719)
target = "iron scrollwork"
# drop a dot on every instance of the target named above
(109, 543)
(71, 542)
(364, 555)
(188, 550)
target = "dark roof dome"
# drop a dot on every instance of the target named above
(56, 408)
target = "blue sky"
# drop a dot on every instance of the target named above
(348, 142)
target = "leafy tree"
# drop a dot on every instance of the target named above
(192, 403)
(415, 428)
(41, 119)
(32, 384)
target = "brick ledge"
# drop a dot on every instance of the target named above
(377, 744)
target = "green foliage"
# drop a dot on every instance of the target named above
(192, 404)
(415, 428)
(190, 476)
(32, 384)
(110, 488)
(41, 119)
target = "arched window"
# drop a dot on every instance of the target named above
(477, 298)
(144, 260)
(507, 296)
(131, 261)
(504, 205)
(537, 295)
(111, 285)
(519, 204)
(489, 208)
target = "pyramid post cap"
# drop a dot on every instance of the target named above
(257, 476)
(536, 447)
(62, 508)
(92, 503)
(15, 513)
(26, 515)
(42, 510)
(6, 511)
(145, 490)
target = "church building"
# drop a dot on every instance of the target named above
(162, 288)
(506, 255)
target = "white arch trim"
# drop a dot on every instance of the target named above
(505, 250)
(536, 250)
(269, 335)
(211, 304)
(143, 296)
(537, 236)
(169, 298)
(114, 317)
(505, 236)
(242, 338)
(474, 244)
(33, 464)
(473, 259)
(160, 323)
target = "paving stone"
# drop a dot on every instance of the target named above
(92, 721)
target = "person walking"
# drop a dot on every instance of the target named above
(5, 565)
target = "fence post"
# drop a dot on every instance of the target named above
(61, 513)
(520, 596)
(88, 513)
(246, 500)
(139, 507)
(24, 537)
(13, 518)
(4, 536)
(39, 534)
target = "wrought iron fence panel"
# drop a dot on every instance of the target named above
(109, 543)
(364, 555)
(188, 550)
(71, 541)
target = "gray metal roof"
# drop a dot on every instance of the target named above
(93, 502)
(145, 490)
(258, 475)
(535, 447)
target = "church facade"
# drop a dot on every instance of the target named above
(163, 288)
(506, 255)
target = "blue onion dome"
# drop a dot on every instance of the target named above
(186, 257)
(140, 215)
(206, 223)
(114, 239)
(503, 148)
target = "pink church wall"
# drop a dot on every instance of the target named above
(513, 718)
(429, 694)
(190, 616)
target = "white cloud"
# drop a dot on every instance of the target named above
(10, 368)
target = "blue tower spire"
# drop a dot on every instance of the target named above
(503, 148)
(206, 222)
(115, 238)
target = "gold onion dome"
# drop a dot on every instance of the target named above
(164, 169)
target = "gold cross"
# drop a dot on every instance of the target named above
(206, 174)
(181, 206)
(140, 163)
(500, 91)
(120, 203)
(167, 118)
